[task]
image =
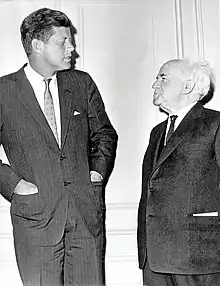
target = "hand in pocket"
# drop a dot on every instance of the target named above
(25, 188)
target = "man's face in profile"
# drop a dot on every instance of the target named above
(168, 87)
(56, 52)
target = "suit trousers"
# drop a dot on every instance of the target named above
(151, 278)
(78, 259)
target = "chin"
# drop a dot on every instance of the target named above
(156, 102)
(65, 66)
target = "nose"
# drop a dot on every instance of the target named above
(69, 46)
(75, 55)
(155, 84)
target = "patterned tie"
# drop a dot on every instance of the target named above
(171, 128)
(49, 111)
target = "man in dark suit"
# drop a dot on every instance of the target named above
(61, 147)
(178, 218)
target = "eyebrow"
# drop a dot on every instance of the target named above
(64, 38)
(161, 75)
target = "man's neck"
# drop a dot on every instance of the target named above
(37, 67)
(177, 109)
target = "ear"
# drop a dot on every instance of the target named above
(189, 86)
(37, 46)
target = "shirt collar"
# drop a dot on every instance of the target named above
(182, 112)
(35, 77)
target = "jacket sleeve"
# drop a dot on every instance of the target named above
(103, 137)
(217, 146)
(8, 177)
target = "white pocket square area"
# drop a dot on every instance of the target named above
(76, 112)
(206, 214)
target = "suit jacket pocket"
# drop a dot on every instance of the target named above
(98, 195)
(205, 223)
(79, 117)
(28, 205)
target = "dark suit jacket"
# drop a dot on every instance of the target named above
(88, 143)
(183, 181)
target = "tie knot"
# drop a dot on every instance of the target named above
(173, 118)
(47, 81)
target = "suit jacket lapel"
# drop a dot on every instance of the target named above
(186, 126)
(70, 98)
(160, 142)
(26, 94)
(65, 90)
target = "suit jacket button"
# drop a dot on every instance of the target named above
(66, 183)
(151, 190)
(150, 215)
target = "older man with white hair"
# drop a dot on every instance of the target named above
(178, 218)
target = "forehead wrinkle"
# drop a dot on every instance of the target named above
(61, 31)
(173, 69)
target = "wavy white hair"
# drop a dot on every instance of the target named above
(199, 72)
(202, 75)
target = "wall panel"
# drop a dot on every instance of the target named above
(211, 32)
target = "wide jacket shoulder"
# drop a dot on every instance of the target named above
(12, 77)
(74, 75)
(210, 114)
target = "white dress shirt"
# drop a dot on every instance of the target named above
(181, 114)
(38, 85)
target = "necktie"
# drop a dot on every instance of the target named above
(171, 128)
(49, 111)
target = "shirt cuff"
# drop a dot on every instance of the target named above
(95, 176)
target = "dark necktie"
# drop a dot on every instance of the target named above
(49, 110)
(171, 128)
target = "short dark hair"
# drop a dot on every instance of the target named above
(39, 25)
